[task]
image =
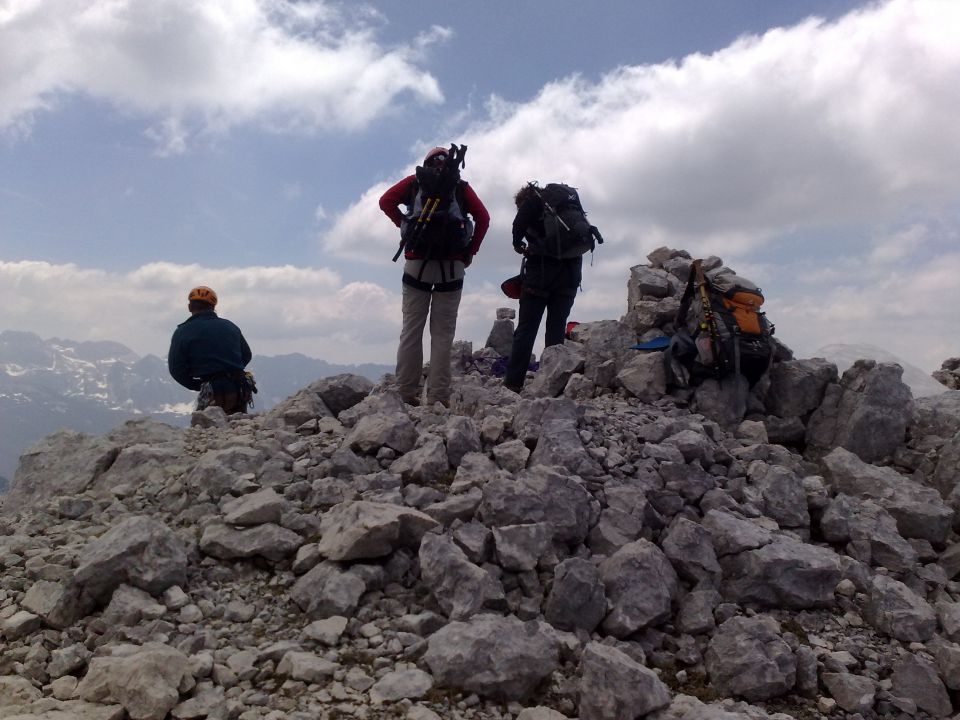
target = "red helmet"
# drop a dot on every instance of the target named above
(433, 154)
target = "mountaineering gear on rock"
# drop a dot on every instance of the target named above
(203, 294)
(204, 347)
(720, 328)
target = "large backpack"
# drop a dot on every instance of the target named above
(720, 328)
(567, 232)
(436, 226)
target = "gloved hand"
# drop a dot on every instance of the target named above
(520, 247)
(467, 261)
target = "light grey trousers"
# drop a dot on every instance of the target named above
(441, 308)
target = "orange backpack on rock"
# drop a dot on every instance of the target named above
(720, 328)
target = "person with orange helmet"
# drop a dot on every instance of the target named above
(438, 242)
(209, 353)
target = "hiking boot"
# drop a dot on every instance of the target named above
(413, 401)
(514, 388)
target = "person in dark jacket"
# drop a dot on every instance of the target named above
(431, 287)
(209, 354)
(547, 284)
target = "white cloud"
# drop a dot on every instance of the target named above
(845, 128)
(207, 64)
(816, 124)
(280, 309)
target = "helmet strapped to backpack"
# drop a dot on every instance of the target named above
(203, 294)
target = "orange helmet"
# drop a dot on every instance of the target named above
(434, 153)
(203, 294)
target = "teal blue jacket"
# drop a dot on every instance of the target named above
(206, 345)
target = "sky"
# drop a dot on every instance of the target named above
(147, 146)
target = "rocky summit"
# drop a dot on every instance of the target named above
(601, 547)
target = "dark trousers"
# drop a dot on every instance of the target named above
(558, 308)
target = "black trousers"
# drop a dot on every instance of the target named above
(557, 306)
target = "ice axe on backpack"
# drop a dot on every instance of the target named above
(594, 230)
(455, 157)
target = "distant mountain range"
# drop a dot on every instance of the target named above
(93, 386)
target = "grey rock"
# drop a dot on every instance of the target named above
(557, 364)
(139, 551)
(867, 414)
(519, 547)
(218, 469)
(497, 657)
(853, 693)
(146, 683)
(644, 377)
(723, 401)
(394, 430)
(427, 463)
(500, 338)
(129, 605)
(732, 534)
(64, 463)
(797, 386)
(785, 573)
(401, 684)
(689, 548)
(782, 493)
(578, 598)
(747, 657)
(870, 527)
(916, 678)
(695, 612)
(919, 510)
(640, 584)
(540, 494)
(559, 445)
(613, 685)
(20, 624)
(460, 587)
(58, 604)
(355, 530)
(897, 611)
(257, 508)
(307, 667)
(326, 590)
(462, 436)
(268, 541)
(512, 455)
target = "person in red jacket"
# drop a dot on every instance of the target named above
(432, 273)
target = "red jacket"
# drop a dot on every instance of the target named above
(400, 194)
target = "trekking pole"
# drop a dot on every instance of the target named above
(709, 322)
(426, 212)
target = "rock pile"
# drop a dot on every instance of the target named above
(949, 373)
(599, 547)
